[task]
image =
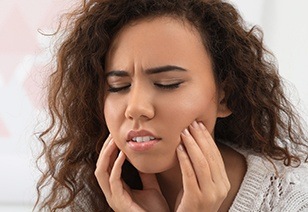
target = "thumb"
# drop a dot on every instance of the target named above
(149, 181)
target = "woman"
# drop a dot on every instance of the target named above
(169, 105)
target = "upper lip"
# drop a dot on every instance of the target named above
(140, 133)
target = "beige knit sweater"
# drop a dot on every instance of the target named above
(264, 190)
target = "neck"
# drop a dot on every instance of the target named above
(170, 183)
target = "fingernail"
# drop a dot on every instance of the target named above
(195, 124)
(110, 142)
(186, 132)
(180, 147)
(202, 126)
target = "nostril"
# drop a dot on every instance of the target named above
(140, 102)
(139, 111)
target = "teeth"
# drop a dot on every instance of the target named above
(143, 139)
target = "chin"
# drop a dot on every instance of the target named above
(154, 167)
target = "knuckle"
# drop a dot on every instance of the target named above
(111, 181)
(228, 186)
(190, 173)
(202, 164)
(97, 173)
(222, 194)
(216, 197)
(211, 156)
(184, 158)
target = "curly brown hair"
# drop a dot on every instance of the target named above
(262, 118)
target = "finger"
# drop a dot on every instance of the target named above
(188, 174)
(212, 155)
(103, 166)
(198, 160)
(107, 141)
(116, 182)
(208, 153)
(211, 152)
(121, 193)
(112, 157)
(149, 181)
(109, 138)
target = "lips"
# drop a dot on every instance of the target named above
(142, 140)
(141, 136)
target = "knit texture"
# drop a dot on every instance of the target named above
(271, 186)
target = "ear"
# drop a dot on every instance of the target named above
(222, 110)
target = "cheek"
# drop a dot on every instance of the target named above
(192, 106)
(113, 115)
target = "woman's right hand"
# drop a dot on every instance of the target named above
(118, 194)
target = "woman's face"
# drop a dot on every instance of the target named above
(159, 80)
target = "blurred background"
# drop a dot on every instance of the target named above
(24, 58)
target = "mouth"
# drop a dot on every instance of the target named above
(141, 136)
(141, 139)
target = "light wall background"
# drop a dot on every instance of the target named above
(24, 53)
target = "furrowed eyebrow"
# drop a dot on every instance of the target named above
(155, 70)
(117, 73)
(166, 68)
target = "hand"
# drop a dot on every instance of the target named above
(205, 182)
(119, 196)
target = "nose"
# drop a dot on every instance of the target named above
(140, 104)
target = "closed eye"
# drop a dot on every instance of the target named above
(168, 86)
(159, 85)
(118, 89)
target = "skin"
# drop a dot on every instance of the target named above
(186, 160)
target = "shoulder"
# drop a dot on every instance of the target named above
(269, 185)
(292, 183)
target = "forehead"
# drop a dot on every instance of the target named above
(160, 39)
(162, 25)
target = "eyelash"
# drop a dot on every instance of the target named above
(160, 86)
(168, 86)
(117, 89)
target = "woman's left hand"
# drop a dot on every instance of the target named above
(205, 182)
